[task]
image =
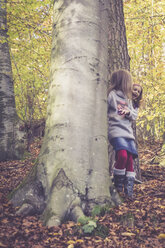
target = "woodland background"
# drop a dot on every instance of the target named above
(29, 30)
(133, 224)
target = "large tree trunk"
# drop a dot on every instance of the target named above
(12, 141)
(72, 172)
(118, 58)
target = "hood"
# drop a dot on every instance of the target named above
(120, 94)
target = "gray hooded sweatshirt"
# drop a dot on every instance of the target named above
(120, 125)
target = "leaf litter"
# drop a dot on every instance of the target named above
(139, 223)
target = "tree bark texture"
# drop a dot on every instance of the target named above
(118, 52)
(72, 172)
(11, 139)
(118, 59)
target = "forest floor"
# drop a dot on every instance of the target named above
(139, 223)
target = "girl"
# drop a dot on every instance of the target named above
(137, 95)
(137, 92)
(120, 132)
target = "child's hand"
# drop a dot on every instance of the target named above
(125, 111)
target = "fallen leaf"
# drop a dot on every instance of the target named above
(161, 236)
(79, 241)
(37, 246)
(4, 221)
(70, 246)
(2, 245)
(70, 242)
(128, 234)
(56, 234)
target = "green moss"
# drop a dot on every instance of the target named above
(90, 226)
(25, 155)
(84, 220)
(101, 210)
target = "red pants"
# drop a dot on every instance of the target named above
(124, 160)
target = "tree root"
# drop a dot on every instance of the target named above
(25, 209)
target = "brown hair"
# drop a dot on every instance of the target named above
(137, 102)
(121, 80)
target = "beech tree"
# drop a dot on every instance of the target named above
(71, 174)
(12, 140)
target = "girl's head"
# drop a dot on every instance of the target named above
(121, 80)
(137, 93)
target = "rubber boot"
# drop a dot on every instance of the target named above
(119, 182)
(129, 184)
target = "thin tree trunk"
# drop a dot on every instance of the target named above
(136, 160)
(12, 140)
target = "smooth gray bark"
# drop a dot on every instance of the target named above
(72, 172)
(12, 140)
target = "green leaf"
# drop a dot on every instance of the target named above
(90, 227)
